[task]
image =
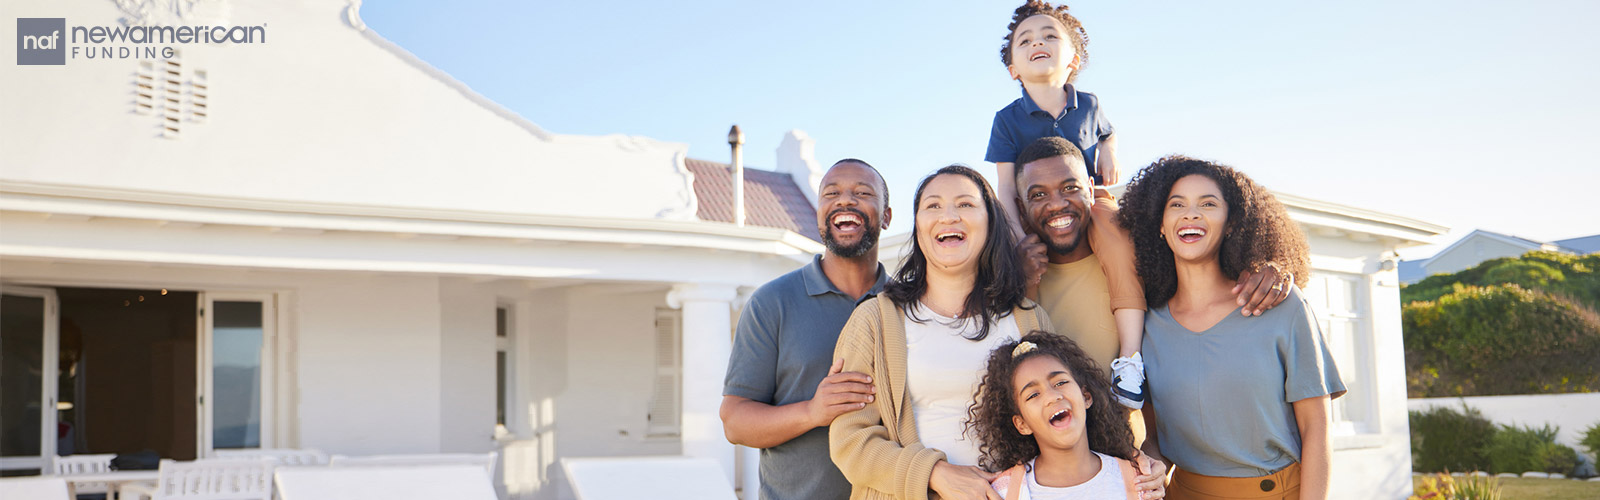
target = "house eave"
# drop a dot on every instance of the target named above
(295, 216)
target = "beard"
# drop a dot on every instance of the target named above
(1051, 245)
(1062, 249)
(868, 241)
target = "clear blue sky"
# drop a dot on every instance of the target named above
(1469, 114)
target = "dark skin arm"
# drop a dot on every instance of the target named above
(759, 425)
(1263, 289)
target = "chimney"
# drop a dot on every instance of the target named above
(797, 157)
(736, 141)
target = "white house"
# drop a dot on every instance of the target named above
(319, 241)
(1481, 245)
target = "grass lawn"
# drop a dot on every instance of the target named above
(1543, 489)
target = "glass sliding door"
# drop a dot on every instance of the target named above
(237, 334)
(27, 379)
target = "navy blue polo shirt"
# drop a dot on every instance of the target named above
(1019, 124)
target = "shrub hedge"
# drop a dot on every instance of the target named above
(1507, 326)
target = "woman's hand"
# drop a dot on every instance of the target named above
(1152, 478)
(962, 482)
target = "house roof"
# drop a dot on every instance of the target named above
(1531, 245)
(771, 199)
(1582, 245)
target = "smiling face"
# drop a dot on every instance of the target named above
(1051, 406)
(849, 205)
(952, 225)
(1195, 219)
(1055, 202)
(1040, 49)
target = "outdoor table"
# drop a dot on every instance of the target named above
(113, 479)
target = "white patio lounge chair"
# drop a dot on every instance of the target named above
(669, 478)
(384, 482)
(483, 460)
(207, 479)
(284, 456)
(34, 488)
(71, 465)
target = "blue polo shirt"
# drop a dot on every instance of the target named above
(782, 348)
(1019, 124)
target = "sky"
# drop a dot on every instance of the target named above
(1470, 114)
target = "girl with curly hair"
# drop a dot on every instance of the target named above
(1239, 405)
(1044, 415)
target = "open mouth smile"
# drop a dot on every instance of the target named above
(950, 238)
(1191, 234)
(846, 221)
(1061, 418)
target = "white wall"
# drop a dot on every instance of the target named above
(369, 365)
(467, 367)
(1573, 412)
(320, 112)
(1470, 253)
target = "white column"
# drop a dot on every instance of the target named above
(707, 343)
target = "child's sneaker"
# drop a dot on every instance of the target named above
(1127, 381)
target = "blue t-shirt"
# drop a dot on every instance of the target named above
(1226, 395)
(1022, 122)
(782, 348)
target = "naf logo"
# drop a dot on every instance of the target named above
(41, 41)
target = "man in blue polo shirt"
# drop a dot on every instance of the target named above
(783, 386)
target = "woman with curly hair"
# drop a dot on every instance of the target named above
(1240, 406)
(1044, 415)
(924, 341)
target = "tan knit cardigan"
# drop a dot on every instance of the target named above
(877, 447)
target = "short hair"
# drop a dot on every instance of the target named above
(1047, 147)
(1258, 230)
(1074, 34)
(883, 184)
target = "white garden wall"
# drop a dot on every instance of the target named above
(1573, 412)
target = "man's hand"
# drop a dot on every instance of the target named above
(1152, 477)
(1263, 289)
(1034, 260)
(839, 393)
(963, 482)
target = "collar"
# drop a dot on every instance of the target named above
(817, 283)
(1031, 107)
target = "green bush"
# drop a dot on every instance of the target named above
(1559, 459)
(1443, 439)
(1528, 449)
(1591, 440)
(1516, 450)
(1500, 339)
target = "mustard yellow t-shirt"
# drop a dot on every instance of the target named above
(1076, 297)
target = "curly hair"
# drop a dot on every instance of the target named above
(1075, 32)
(1258, 230)
(998, 287)
(995, 403)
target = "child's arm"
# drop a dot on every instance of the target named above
(1114, 248)
(1006, 186)
(1105, 160)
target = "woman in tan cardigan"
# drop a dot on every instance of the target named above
(924, 343)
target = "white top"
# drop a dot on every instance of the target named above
(1108, 483)
(943, 370)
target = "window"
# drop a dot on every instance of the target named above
(1338, 301)
(503, 356)
(665, 401)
